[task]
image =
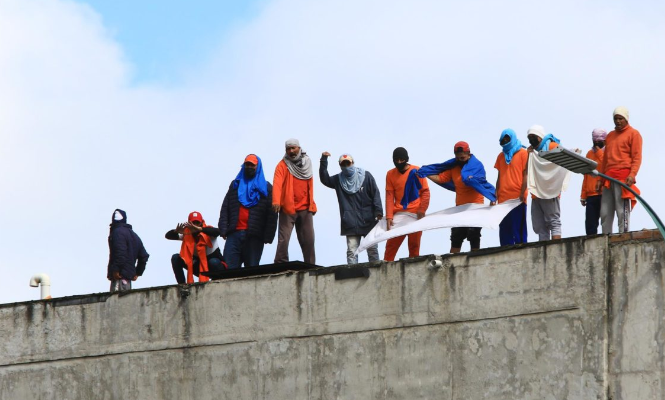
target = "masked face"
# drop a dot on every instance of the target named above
(249, 171)
(534, 141)
(348, 171)
(400, 164)
(505, 140)
(599, 144)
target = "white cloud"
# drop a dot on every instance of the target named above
(344, 76)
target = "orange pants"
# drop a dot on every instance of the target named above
(392, 245)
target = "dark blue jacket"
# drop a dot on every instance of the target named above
(358, 211)
(262, 221)
(125, 248)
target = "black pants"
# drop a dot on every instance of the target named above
(179, 267)
(592, 214)
(457, 236)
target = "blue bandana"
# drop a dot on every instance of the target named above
(251, 190)
(512, 147)
(351, 179)
(545, 143)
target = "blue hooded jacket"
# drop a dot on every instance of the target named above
(125, 249)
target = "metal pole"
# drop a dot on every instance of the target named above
(652, 213)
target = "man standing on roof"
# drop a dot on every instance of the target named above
(465, 175)
(127, 256)
(246, 219)
(293, 199)
(511, 164)
(622, 161)
(591, 197)
(359, 203)
(545, 181)
(397, 194)
(199, 251)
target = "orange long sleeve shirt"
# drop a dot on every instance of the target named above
(395, 182)
(623, 150)
(283, 191)
(589, 182)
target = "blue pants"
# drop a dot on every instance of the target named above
(512, 230)
(592, 214)
(242, 249)
(179, 266)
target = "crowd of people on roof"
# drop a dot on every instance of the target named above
(253, 210)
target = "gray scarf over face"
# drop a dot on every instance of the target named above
(300, 166)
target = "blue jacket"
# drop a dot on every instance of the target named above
(358, 211)
(262, 221)
(125, 249)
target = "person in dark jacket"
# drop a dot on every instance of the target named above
(246, 220)
(359, 203)
(199, 242)
(125, 249)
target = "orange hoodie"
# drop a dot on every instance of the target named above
(282, 190)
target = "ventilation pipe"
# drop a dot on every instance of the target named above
(45, 282)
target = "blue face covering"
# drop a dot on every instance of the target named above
(251, 189)
(512, 147)
(351, 179)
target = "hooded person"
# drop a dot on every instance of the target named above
(465, 175)
(199, 252)
(545, 181)
(511, 183)
(127, 256)
(591, 196)
(622, 160)
(406, 199)
(359, 202)
(293, 199)
(246, 219)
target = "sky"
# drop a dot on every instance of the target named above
(152, 108)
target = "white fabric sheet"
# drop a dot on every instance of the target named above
(545, 179)
(468, 215)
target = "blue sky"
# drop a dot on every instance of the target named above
(163, 39)
(154, 111)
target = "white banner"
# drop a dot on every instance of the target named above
(468, 215)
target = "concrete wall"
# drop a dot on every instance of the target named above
(530, 322)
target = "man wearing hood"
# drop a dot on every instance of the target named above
(246, 220)
(511, 181)
(622, 161)
(397, 195)
(545, 181)
(465, 175)
(293, 199)
(359, 203)
(590, 196)
(199, 251)
(125, 250)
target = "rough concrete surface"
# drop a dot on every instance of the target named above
(580, 318)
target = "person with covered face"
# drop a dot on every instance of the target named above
(545, 181)
(199, 251)
(591, 196)
(293, 199)
(622, 161)
(396, 197)
(246, 220)
(465, 175)
(127, 256)
(511, 182)
(359, 203)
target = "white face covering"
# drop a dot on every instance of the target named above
(117, 216)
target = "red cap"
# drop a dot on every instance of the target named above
(195, 216)
(252, 159)
(461, 146)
